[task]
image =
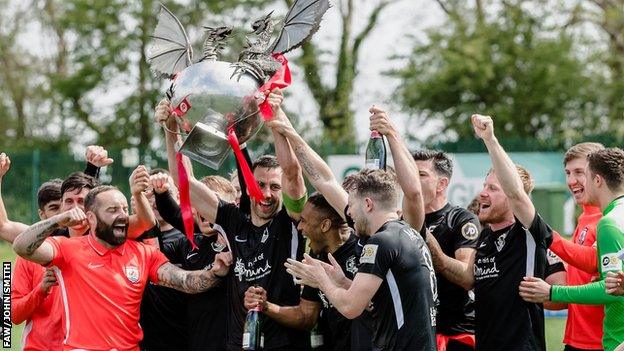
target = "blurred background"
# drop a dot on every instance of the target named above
(550, 72)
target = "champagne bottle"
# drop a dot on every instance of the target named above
(316, 338)
(376, 152)
(252, 338)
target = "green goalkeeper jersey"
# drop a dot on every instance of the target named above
(610, 240)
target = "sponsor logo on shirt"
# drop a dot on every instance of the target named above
(581, 238)
(92, 265)
(351, 266)
(132, 273)
(253, 269)
(369, 253)
(470, 231)
(610, 262)
(486, 268)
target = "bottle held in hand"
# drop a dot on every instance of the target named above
(376, 152)
(252, 334)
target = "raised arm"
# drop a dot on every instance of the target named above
(458, 271)
(405, 167)
(96, 157)
(30, 243)
(193, 282)
(144, 218)
(8, 229)
(202, 198)
(505, 171)
(316, 170)
(292, 179)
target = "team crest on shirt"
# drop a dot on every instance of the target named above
(470, 231)
(500, 242)
(217, 246)
(265, 235)
(351, 266)
(581, 238)
(132, 273)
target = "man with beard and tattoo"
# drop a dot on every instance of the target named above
(260, 242)
(513, 245)
(456, 230)
(102, 275)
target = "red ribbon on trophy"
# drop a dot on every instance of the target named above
(280, 79)
(252, 184)
(183, 180)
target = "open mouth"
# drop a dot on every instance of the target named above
(120, 229)
(577, 191)
(484, 207)
(265, 206)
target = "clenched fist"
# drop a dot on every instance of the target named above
(98, 156)
(139, 180)
(5, 164)
(483, 126)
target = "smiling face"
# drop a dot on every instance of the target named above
(576, 179)
(311, 226)
(110, 217)
(494, 204)
(270, 182)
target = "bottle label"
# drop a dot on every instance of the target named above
(372, 164)
(246, 340)
(316, 340)
(262, 341)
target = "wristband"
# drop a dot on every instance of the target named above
(294, 206)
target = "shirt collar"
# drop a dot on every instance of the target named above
(103, 250)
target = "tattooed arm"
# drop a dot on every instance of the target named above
(458, 270)
(30, 243)
(315, 169)
(191, 282)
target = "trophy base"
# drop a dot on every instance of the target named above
(206, 145)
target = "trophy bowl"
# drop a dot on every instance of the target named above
(219, 99)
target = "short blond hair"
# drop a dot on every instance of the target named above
(224, 189)
(581, 150)
(528, 184)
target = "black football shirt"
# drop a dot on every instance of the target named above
(336, 328)
(454, 228)
(504, 321)
(403, 312)
(259, 254)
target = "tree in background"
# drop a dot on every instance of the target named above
(334, 102)
(502, 61)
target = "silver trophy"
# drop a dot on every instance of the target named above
(211, 97)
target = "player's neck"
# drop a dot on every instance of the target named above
(75, 233)
(257, 221)
(379, 219)
(505, 222)
(335, 241)
(607, 197)
(437, 204)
